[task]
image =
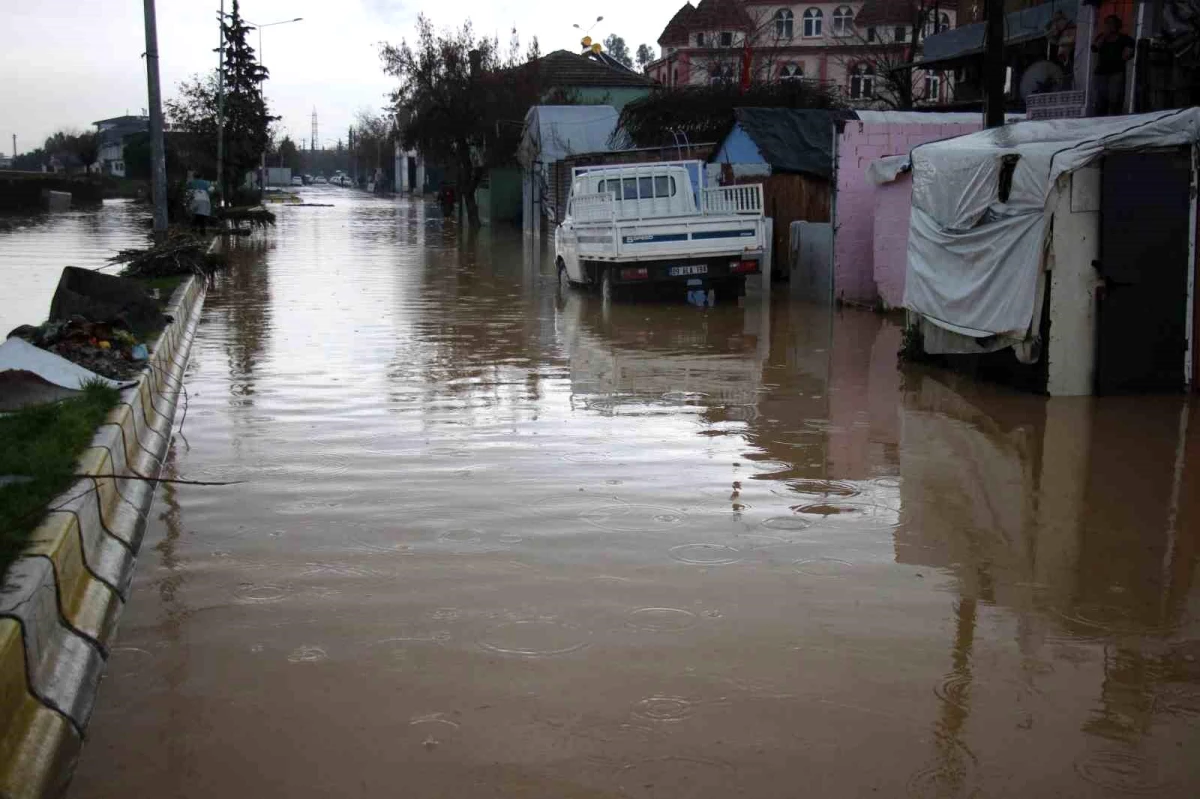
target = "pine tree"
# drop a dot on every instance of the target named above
(246, 117)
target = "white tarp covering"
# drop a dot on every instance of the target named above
(19, 355)
(973, 261)
(553, 132)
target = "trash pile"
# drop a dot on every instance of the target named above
(99, 322)
(181, 254)
(104, 348)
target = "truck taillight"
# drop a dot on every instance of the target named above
(635, 273)
(743, 267)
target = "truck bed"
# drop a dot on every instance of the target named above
(730, 222)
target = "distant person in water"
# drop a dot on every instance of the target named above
(1112, 49)
(199, 202)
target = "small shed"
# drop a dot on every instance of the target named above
(1009, 262)
(789, 151)
(551, 133)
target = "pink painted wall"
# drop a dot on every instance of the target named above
(854, 240)
(893, 205)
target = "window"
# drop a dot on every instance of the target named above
(937, 24)
(812, 22)
(843, 21)
(720, 73)
(871, 35)
(933, 85)
(783, 24)
(901, 33)
(791, 72)
(726, 39)
(862, 82)
(700, 39)
(630, 188)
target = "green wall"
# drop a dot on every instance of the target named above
(500, 201)
(616, 96)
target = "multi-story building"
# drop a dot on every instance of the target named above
(112, 133)
(852, 46)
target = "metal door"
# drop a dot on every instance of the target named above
(1141, 327)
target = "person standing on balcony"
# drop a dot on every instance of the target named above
(1112, 49)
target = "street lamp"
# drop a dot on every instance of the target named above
(263, 180)
(589, 29)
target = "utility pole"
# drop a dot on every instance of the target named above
(221, 108)
(158, 159)
(14, 145)
(993, 66)
(262, 183)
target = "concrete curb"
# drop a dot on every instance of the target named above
(61, 600)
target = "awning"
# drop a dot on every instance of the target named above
(969, 40)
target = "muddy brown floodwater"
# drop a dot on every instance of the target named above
(495, 541)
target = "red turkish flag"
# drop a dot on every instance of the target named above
(747, 58)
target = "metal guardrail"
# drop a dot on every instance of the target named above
(735, 200)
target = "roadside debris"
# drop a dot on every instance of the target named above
(98, 297)
(99, 347)
(99, 322)
(254, 217)
(181, 254)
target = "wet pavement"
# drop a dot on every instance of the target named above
(497, 541)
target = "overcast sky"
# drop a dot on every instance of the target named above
(68, 63)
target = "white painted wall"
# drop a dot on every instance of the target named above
(400, 165)
(1075, 243)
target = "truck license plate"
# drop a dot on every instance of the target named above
(677, 271)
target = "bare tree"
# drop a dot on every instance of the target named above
(878, 65)
(373, 136)
(757, 35)
(459, 95)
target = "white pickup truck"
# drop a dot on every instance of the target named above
(654, 223)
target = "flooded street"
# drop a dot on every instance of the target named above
(34, 251)
(494, 540)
